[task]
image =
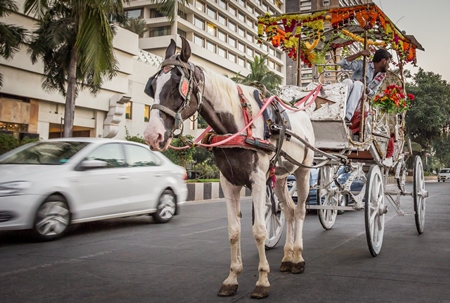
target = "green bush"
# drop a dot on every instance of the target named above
(9, 142)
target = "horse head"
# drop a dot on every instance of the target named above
(176, 90)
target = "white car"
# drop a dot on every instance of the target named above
(443, 175)
(47, 185)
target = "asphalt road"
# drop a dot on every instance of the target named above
(186, 260)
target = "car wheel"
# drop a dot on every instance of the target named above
(167, 205)
(52, 219)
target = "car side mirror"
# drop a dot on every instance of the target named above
(91, 164)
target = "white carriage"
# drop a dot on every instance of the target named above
(373, 150)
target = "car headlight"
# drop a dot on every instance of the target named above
(13, 188)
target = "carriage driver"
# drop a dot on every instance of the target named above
(375, 74)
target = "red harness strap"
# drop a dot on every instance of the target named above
(245, 106)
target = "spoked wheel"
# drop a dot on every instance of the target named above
(419, 194)
(374, 210)
(328, 196)
(274, 218)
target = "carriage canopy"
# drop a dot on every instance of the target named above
(347, 25)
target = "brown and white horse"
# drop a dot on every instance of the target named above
(180, 89)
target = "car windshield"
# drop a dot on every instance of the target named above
(445, 171)
(45, 153)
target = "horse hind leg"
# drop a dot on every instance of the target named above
(282, 193)
(302, 176)
(232, 193)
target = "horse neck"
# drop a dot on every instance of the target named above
(221, 107)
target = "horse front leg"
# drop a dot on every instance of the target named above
(232, 195)
(259, 233)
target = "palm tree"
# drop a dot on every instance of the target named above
(167, 7)
(260, 73)
(75, 42)
(136, 25)
(10, 36)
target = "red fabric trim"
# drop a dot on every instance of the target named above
(244, 105)
(390, 147)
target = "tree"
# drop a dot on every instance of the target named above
(10, 36)
(429, 116)
(259, 72)
(75, 42)
(168, 7)
(136, 25)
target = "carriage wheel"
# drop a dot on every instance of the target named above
(327, 196)
(374, 210)
(274, 218)
(419, 194)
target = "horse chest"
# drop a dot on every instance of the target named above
(237, 164)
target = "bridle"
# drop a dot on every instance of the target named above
(192, 81)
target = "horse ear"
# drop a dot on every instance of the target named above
(171, 49)
(185, 50)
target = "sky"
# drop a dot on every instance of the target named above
(427, 21)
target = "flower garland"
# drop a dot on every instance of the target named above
(393, 99)
(284, 31)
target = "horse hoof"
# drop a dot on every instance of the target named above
(285, 266)
(227, 290)
(260, 292)
(298, 268)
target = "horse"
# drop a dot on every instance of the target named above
(180, 89)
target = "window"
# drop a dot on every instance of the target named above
(241, 46)
(232, 10)
(154, 13)
(111, 153)
(241, 61)
(199, 22)
(271, 64)
(278, 67)
(128, 110)
(249, 22)
(211, 46)
(181, 32)
(278, 55)
(249, 37)
(326, 2)
(241, 17)
(200, 6)
(223, 4)
(160, 31)
(241, 31)
(222, 20)
(232, 57)
(211, 12)
(182, 14)
(232, 26)
(232, 41)
(199, 40)
(271, 52)
(211, 29)
(241, 2)
(249, 52)
(222, 36)
(134, 13)
(13, 127)
(222, 52)
(138, 156)
(146, 113)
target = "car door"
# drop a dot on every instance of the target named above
(103, 191)
(146, 174)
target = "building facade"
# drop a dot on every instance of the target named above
(26, 109)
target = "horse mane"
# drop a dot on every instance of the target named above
(225, 91)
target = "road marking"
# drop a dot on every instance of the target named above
(72, 260)
(205, 231)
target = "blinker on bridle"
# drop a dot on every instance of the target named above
(185, 89)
